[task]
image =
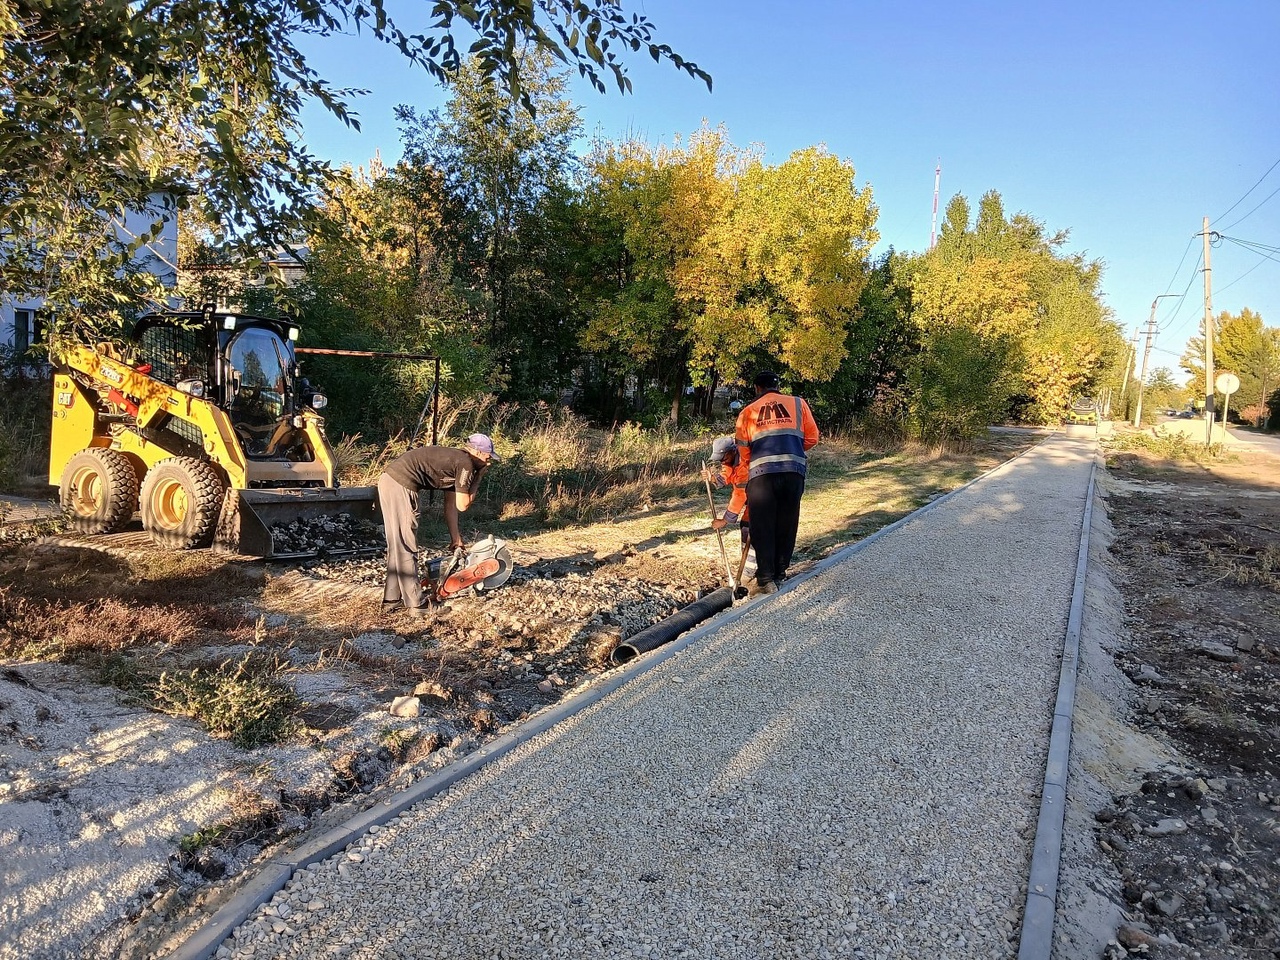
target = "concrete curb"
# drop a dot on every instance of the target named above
(1036, 942)
(277, 871)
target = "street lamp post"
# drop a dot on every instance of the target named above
(1142, 379)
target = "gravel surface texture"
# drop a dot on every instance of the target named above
(852, 769)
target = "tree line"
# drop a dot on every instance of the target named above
(638, 279)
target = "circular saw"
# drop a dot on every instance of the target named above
(486, 566)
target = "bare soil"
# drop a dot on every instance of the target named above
(124, 825)
(1197, 844)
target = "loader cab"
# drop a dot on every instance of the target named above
(242, 364)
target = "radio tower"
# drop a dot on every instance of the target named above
(937, 177)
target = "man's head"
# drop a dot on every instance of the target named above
(724, 450)
(481, 447)
(765, 381)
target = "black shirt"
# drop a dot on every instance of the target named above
(440, 468)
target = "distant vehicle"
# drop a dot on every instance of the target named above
(1082, 410)
(1186, 415)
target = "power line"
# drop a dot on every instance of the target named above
(1183, 297)
(1228, 286)
(1251, 212)
(1246, 193)
(1185, 250)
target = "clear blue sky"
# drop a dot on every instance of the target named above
(1125, 122)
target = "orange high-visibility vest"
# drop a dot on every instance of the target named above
(773, 433)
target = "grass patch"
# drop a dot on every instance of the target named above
(1169, 446)
(244, 701)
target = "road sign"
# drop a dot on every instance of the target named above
(1227, 383)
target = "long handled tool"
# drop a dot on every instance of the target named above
(711, 502)
(742, 562)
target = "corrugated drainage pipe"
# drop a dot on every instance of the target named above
(676, 624)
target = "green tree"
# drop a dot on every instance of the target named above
(1007, 282)
(508, 207)
(123, 108)
(1242, 345)
(378, 280)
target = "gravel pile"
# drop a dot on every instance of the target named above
(850, 770)
(337, 533)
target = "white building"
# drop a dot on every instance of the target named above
(20, 322)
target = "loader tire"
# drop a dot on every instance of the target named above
(99, 490)
(181, 499)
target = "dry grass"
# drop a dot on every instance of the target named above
(41, 629)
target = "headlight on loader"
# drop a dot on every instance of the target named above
(192, 388)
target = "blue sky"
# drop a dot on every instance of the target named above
(1125, 122)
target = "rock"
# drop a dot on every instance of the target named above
(1133, 936)
(1168, 904)
(1217, 651)
(1197, 789)
(432, 690)
(546, 686)
(1168, 827)
(1245, 644)
(405, 707)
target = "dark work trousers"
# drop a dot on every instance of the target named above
(773, 502)
(399, 507)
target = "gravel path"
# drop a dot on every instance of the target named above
(850, 770)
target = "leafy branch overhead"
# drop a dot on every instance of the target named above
(105, 107)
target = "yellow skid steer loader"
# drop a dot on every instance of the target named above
(203, 424)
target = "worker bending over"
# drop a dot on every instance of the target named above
(456, 471)
(773, 434)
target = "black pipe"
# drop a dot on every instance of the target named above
(667, 630)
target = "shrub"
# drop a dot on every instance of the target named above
(244, 701)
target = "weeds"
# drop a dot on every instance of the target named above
(243, 701)
(1170, 446)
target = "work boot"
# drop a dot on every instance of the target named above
(758, 588)
(418, 613)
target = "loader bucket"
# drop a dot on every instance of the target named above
(248, 516)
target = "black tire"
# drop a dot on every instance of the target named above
(181, 499)
(99, 490)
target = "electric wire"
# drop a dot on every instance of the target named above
(1246, 193)
(1182, 297)
(1251, 212)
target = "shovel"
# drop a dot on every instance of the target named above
(733, 581)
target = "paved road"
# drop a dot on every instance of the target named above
(849, 768)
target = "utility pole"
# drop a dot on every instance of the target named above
(1208, 340)
(1130, 357)
(1151, 335)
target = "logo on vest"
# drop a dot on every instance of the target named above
(772, 412)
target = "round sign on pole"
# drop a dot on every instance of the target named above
(1227, 383)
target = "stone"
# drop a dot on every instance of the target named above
(1132, 936)
(1168, 827)
(1218, 651)
(1168, 904)
(405, 707)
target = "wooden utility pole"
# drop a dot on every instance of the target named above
(1146, 354)
(1208, 339)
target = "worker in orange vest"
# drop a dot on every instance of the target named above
(774, 433)
(732, 473)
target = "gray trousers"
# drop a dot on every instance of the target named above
(399, 507)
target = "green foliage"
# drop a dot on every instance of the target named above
(1171, 446)
(1008, 283)
(25, 416)
(196, 104)
(243, 701)
(1243, 345)
(508, 215)
(960, 383)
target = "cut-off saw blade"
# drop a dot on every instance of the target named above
(479, 559)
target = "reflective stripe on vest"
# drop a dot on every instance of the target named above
(779, 450)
